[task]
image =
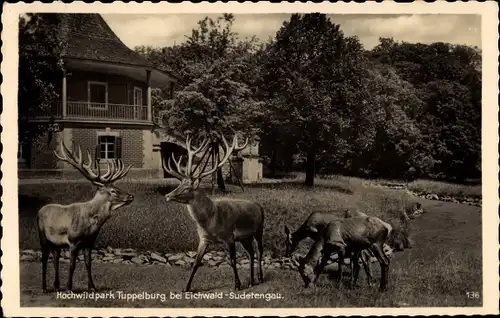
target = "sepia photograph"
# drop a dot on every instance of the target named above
(294, 159)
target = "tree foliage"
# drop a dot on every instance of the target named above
(313, 77)
(40, 66)
(318, 101)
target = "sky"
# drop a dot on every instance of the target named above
(160, 30)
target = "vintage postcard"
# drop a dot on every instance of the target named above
(249, 158)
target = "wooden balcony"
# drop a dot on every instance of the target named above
(95, 112)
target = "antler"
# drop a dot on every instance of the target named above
(186, 172)
(228, 150)
(115, 170)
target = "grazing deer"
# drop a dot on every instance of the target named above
(312, 227)
(76, 226)
(343, 236)
(223, 219)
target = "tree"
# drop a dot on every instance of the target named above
(448, 81)
(40, 66)
(215, 93)
(314, 81)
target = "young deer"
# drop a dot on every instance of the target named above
(76, 226)
(223, 219)
(312, 227)
(348, 235)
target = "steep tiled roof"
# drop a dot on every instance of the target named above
(89, 37)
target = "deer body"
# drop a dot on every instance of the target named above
(76, 226)
(353, 235)
(222, 219)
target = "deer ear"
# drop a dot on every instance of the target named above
(287, 231)
(313, 229)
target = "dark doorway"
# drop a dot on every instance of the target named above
(167, 148)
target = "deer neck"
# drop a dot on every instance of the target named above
(99, 207)
(314, 253)
(201, 208)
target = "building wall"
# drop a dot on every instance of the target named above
(132, 145)
(120, 88)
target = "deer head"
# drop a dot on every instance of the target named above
(189, 177)
(106, 190)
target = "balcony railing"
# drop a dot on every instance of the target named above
(95, 111)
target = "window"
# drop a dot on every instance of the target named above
(97, 94)
(109, 147)
(137, 96)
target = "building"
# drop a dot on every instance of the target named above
(105, 104)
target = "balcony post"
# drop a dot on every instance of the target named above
(64, 98)
(148, 80)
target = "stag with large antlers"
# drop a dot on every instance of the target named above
(223, 219)
(76, 226)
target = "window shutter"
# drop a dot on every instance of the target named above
(98, 151)
(118, 147)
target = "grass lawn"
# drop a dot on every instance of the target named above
(444, 263)
(446, 189)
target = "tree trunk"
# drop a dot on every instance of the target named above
(274, 162)
(220, 179)
(310, 167)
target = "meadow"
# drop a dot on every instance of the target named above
(445, 262)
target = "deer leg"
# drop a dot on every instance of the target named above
(202, 247)
(355, 267)
(384, 264)
(232, 257)
(87, 254)
(248, 245)
(365, 259)
(260, 248)
(341, 256)
(45, 258)
(73, 253)
(56, 253)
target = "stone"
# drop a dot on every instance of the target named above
(180, 262)
(218, 258)
(334, 267)
(244, 261)
(221, 253)
(158, 258)
(126, 254)
(27, 257)
(137, 260)
(116, 261)
(191, 254)
(188, 259)
(212, 263)
(175, 257)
